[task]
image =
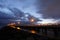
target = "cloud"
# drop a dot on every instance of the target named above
(8, 14)
(5, 13)
(5, 16)
(17, 12)
(49, 8)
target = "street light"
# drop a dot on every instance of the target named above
(33, 31)
(32, 20)
(18, 28)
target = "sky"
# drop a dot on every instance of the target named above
(50, 9)
(45, 10)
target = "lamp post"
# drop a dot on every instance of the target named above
(32, 20)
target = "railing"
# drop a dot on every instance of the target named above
(50, 31)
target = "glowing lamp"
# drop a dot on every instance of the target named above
(18, 28)
(33, 31)
(32, 20)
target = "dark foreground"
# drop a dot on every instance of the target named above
(43, 33)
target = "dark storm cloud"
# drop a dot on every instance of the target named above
(49, 8)
(13, 13)
(6, 18)
(17, 12)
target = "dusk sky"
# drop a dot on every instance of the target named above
(45, 10)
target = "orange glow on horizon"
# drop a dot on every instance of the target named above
(12, 24)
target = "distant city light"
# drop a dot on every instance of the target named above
(18, 28)
(33, 31)
(18, 22)
(13, 26)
